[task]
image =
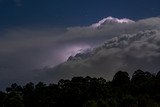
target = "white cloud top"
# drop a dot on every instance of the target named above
(112, 20)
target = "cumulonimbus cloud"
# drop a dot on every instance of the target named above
(25, 49)
(127, 52)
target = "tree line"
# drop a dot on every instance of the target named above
(141, 90)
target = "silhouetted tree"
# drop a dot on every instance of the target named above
(121, 78)
(13, 99)
(142, 82)
(143, 90)
(14, 87)
(2, 98)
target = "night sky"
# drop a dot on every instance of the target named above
(72, 12)
(38, 35)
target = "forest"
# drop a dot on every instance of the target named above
(142, 89)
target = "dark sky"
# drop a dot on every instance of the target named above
(72, 12)
(39, 33)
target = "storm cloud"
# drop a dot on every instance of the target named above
(126, 52)
(23, 50)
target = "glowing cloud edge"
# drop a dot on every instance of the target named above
(112, 20)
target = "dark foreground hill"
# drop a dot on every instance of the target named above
(142, 90)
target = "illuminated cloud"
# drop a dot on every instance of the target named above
(126, 52)
(24, 49)
(112, 20)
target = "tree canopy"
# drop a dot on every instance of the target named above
(141, 90)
